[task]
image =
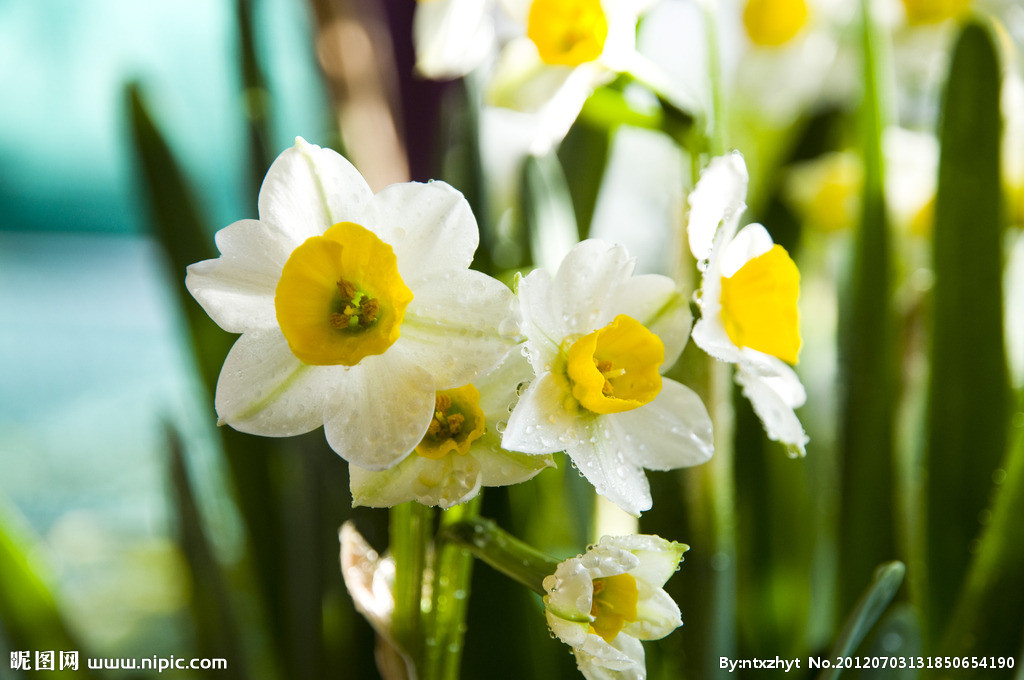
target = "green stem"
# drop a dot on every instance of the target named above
(453, 571)
(410, 528)
(501, 550)
(716, 131)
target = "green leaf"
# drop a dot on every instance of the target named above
(217, 632)
(968, 394)
(987, 620)
(29, 615)
(867, 365)
(868, 610)
(182, 232)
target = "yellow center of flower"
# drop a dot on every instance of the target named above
(614, 605)
(933, 11)
(759, 305)
(615, 368)
(340, 297)
(567, 32)
(772, 23)
(457, 423)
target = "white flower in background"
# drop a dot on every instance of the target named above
(461, 450)
(452, 37)
(748, 300)
(598, 339)
(826, 191)
(354, 308)
(606, 601)
(790, 56)
(790, 49)
(564, 50)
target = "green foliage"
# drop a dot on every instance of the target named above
(968, 396)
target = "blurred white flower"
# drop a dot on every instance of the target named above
(461, 450)
(452, 37)
(604, 602)
(598, 339)
(748, 300)
(354, 308)
(788, 55)
(563, 50)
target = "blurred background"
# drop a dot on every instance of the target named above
(130, 526)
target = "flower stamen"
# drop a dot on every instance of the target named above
(614, 605)
(457, 422)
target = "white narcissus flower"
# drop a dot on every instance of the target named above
(353, 307)
(748, 300)
(604, 602)
(452, 37)
(565, 50)
(461, 450)
(598, 339)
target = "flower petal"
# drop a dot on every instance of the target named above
(499, 387)
(604, 457)
(263, 389)
(458, 327)
(540, 322)
(751, 241)
(540, 423)
(673, 431)
(658, 558)
(445, 482)
(656, 302)
(657, 616)
(499, 467)
(308, 189)
(452, 37)
(623, 659)
(430, 226)
(237, 288)
(570, 593)
(718, 199)
(773, 396)
(586, 282)
(381, 412)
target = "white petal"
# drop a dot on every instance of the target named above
(498, 387)
(710, 335)
(717, 199)
(657, 616)
(656, 302)
(430, 226)
(658, 558)
(605, 560)
(570, 595)
(445, 482)
(263, 389)
(770, 398)
(452, 37)
(587, 281)
(499, 467)
(558, 114)
(605, 458)
(368, 579)
(522, 81)
(308, 189)
(673, 431)
(541, 323)
(621, 660)
(540, 423)
(752, 241)
(381, 412)
(458, 327)
(237, 289)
